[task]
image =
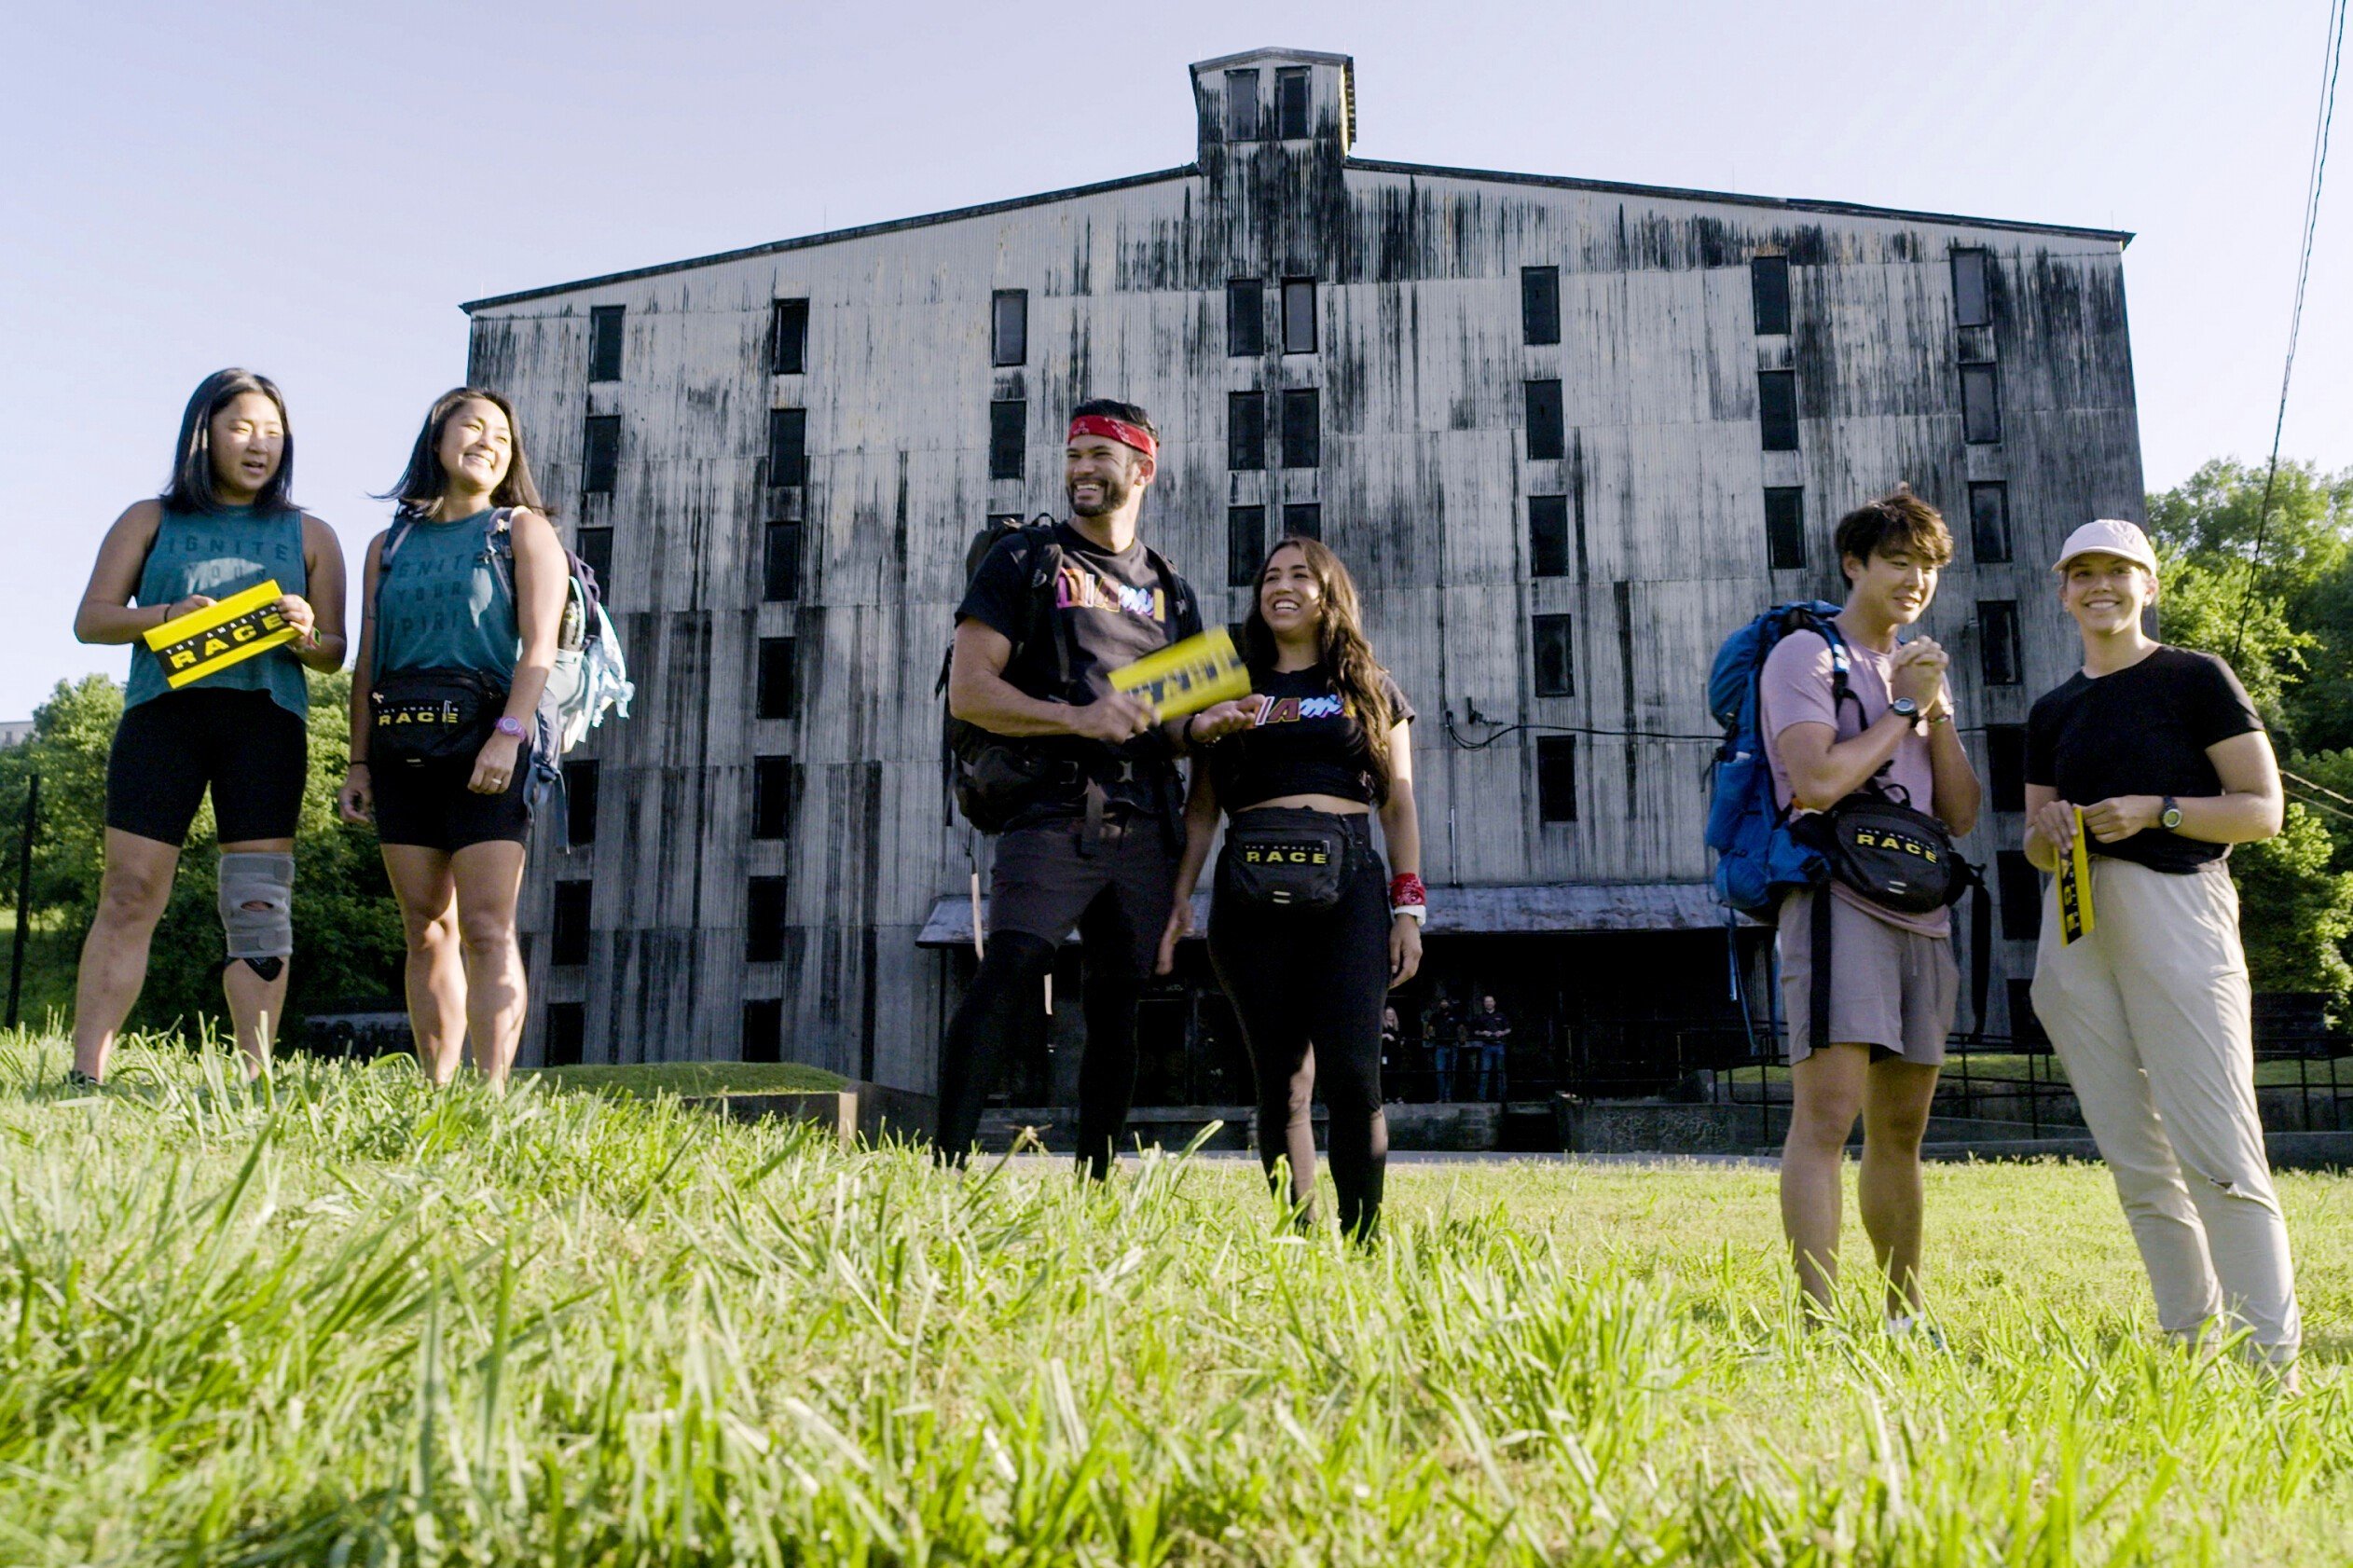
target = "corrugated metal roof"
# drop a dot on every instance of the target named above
(1522, 909)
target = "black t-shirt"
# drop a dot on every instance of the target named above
(1304, 742)
(1109, 608)
(2140, 730)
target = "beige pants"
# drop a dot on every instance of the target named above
(2150, 1016)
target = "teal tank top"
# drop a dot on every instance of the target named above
(443, 603)
(217, 554)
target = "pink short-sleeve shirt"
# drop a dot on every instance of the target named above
(1794, 689)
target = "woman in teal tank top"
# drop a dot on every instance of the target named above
(463, 592)
(224, 526)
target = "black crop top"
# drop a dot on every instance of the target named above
(1304, 743)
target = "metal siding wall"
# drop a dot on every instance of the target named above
(1423, 483)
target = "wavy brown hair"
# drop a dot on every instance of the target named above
(1340, 636)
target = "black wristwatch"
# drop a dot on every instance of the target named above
(1907, 710)
(2170, 814)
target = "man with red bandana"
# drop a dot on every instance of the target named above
(1094, 843)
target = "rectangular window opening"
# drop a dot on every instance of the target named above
(1784, 527)
(2019, 891)
(566, 1035)
(2000, 662)
(594, 546)
(1303, 519)
(1556, 656)
(1547, 436)
(1246, 318)
(780, 562)
(1299, 315)
(1776, 409)
(1769, 293)
(2025, 1024)
(788, 337)
(771, 797)
(1980, 405)
(788, 448)
(1246, 432)
(1556, 777)
(568, 930)
(763, 920)
(1972, 291)
(777, 678)
(580, 801)
(1990, 522)
(1009, 326)
(601, 456)
(1246, 545)
(1302, 428)
(1290, 104)
(1540, 304)
(2005, 762)
(1242, 105)
(604, 342)
(1008, 437)
(1548, 536)
(764, 1030)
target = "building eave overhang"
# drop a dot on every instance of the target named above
(1508, 909)
(834, 237)
(2118, 237)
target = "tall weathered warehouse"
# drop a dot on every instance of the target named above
(1568, 432)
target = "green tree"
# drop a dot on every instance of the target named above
(346, 926)
(2294, 913)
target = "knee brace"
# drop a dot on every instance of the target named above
(257, 910)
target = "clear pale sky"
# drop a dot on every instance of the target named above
(311, 189)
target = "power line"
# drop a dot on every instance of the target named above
(2333, 58)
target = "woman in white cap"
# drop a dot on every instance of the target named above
(2162, 755)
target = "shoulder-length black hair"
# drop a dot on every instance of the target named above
(192, 489)
(421, 482)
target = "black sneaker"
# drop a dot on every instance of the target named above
(76, 1078)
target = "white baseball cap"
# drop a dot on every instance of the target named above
(2109, 536)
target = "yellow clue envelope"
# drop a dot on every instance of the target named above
(1191, 675)
(206, 642)
(2076, 887)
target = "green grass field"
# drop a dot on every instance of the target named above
(348, 1321)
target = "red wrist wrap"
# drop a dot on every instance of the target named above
(1405, 890)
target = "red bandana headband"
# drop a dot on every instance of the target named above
(1117, 430)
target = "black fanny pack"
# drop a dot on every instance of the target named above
(420, 716)
(1880, 847)
(1289, 859)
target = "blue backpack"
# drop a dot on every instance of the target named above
(1757, 860)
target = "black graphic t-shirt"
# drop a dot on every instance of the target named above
(1110, 608)
(1304, 742)
(2140, 730)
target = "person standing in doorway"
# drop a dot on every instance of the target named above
(1391, 1050)
(462, 598)
(1308, 932)
(1092, 842)
(1443, 1032)
(227, 522)
(2158, 754)
(1490, 1037)
(1867, 712)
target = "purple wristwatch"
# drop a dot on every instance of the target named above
(509, 725)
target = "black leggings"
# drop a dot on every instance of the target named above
(1309, 986)
(1009, 984)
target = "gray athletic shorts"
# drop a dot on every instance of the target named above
(1891, 989)
(1047, 877)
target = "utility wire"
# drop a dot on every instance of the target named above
(2333, 58)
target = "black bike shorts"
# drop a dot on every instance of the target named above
(427, 805)
(252, 753)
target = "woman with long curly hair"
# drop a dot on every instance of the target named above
(1307, 932)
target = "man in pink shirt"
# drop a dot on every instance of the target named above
(1893, 985)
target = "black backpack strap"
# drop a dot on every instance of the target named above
(1818, 990)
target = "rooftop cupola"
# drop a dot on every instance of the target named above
(1276, 95)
